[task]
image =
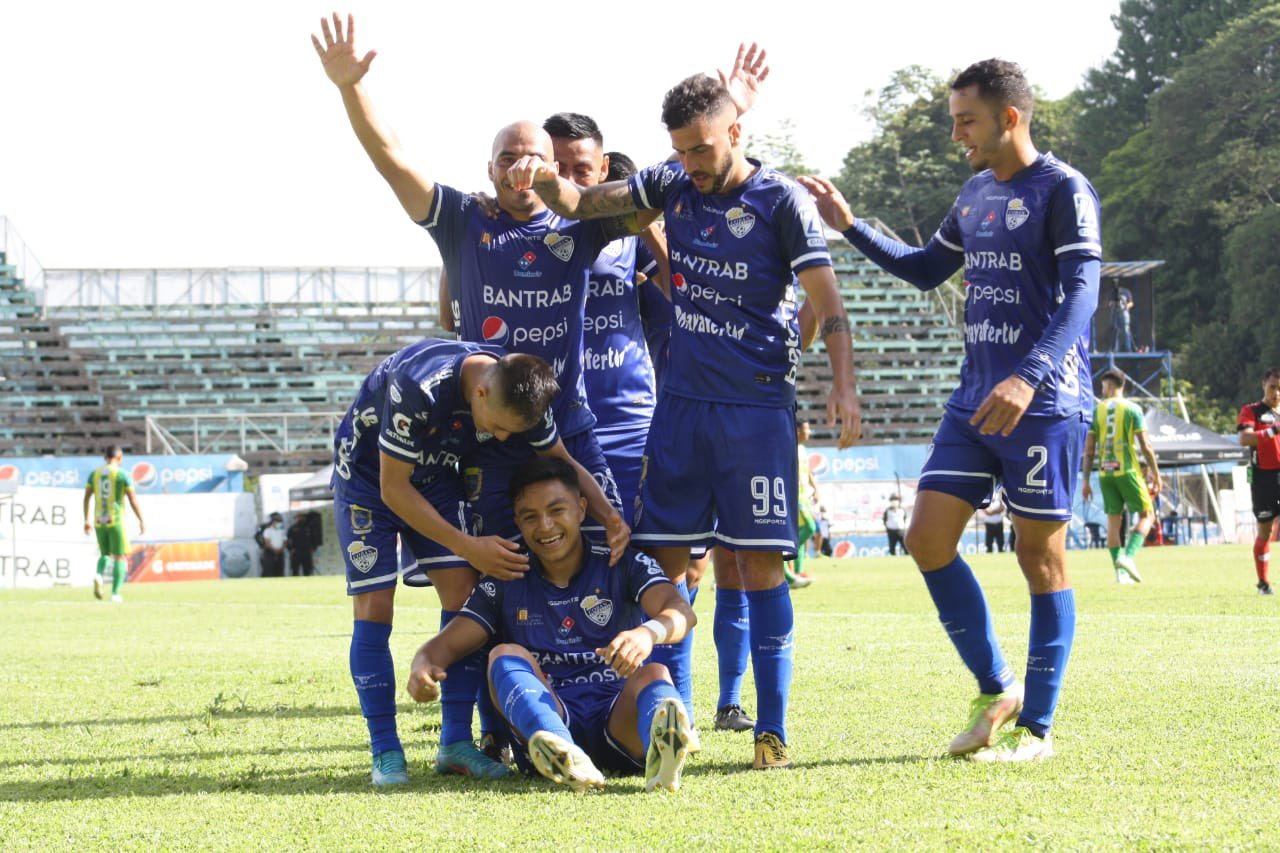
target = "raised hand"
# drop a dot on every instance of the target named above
(743, 82)
(338, 53)
(832, 207)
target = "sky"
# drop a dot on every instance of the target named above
(147, 134)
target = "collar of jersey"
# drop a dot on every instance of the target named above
(537, 219)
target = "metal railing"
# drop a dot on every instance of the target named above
(948, 297)
(240, 433)
(18, 253)
(241, 285)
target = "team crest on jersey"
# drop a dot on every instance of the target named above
(740, 222)
(361, 520)
(394, 392)
(363, 556)
(561, 247)
(489, 589)
(472, 480)
(598, 610)
(1016, 213)
(486, 240)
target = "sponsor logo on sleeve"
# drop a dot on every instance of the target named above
(394, 392)
(1086, 216)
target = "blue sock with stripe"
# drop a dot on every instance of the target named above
(1053, 628)
(647, 701)
(678, 659)
(733, 639)
(374, 675)
(458, 692)
(524, 700)
(772, 638)
(962, 609)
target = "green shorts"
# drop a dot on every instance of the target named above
(113, 541)
(1126, 490)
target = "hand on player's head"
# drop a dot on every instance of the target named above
(338, 53)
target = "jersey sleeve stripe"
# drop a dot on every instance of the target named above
(638, 188)
(650, 582)
(396, 450)
(937, 235)
(812, 256)
(549, 441)
(476, 617)
(1078, 247)
(433, 213)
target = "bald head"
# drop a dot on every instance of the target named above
(523, 137)
(516, 140)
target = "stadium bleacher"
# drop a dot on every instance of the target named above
(267, 380)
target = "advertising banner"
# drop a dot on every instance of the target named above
(174, 561)
(150, 474)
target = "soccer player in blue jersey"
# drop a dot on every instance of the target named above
(1025, 230)
(569, 672)
(721, 452)
(518, 282)
(395, 477)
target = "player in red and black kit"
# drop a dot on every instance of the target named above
(1259, 425)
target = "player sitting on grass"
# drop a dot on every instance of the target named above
(568, 673)
(396, 478)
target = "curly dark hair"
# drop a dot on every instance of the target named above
(693, 98)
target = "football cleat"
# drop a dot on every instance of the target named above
(1019, 744)
(499, 752)
(99, 588)
(731, 718)
(771, 753)
(987, 714)
(461, 758)
(799, 581)
(669, 736)
(563, 762)
(1125, 562)
(117, 598)
(1264, 588)
(389, 768)
(1122, 577)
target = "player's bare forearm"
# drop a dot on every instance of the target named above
(612, 199)
(400, 496)
(663, 603)
(1248, 438)
(838, 339)
(1090, 444)
(137, 513)
(655, 240)
(1149, 454)
(414, 192)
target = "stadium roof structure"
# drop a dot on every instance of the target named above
(1128, 269)
(1178, 443)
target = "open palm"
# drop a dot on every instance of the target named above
(338, 53)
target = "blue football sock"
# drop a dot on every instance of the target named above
(647, 704)
(693, 595)
(772, 638)
(491, 722)
(524, 700)
(1053, 627)
(729, 627)
(962, 609)
(374, 676)
(458, 692)
(683, 675)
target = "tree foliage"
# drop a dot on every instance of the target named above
(779, 150)
(1199, 187)
(1154, 38)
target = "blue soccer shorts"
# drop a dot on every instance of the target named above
(1037, 464)
(487, 471)
(368, 532)
(719, 473)
(623, 448)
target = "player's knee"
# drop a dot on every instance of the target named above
(507, 650)
(652, 672)
(376, 606)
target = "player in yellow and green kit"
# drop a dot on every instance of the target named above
(1118, 431)
(109, 486)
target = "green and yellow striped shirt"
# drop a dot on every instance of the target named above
(1115, 424)
(109, 485)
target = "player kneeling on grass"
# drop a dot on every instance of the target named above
(569, 672)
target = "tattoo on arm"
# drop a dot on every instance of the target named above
(835, 325)
(611, 199)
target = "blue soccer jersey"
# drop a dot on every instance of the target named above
(521, 286)
(615, 360)
(412, 407)
(733, 259)
(563, 627)
(657, 313)
(1011, 235)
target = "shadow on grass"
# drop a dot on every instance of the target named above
(221, 712)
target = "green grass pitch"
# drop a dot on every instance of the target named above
(221, 716)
